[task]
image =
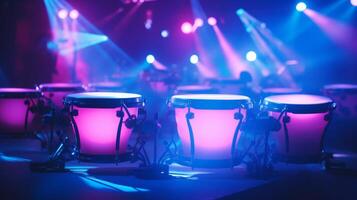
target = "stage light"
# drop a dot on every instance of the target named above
(150, 59)
(186, 28)
(198, 22)
(148, 24)
(301, 6)
(194, 59)
(212, 21)
(74, 14)
(354, 2)
(62, 14)
(164, 33)
(240, 12)
(251, 56)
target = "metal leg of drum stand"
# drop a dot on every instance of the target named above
(56, 162)
(28, 104)
(73, 112)
(237, 116)
(120, 114)
(189, 116)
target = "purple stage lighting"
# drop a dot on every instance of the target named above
(186, 27)
(62, 14)
(212, 21)
(164, 33)
(74, 14)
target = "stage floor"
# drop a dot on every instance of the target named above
(108, 181)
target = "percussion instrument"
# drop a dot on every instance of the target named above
(208, 126)
(103, 122)
(303, 119)
(56, 92)
(16, 109)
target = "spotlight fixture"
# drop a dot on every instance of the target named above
(354, 2)
(62, 14)
(212, 21)
(301, 6)
(150, 59)
(74, 14)
(251, 56)
(186, 27)
(194, 59)
(164, 33)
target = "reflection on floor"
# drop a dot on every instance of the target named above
(107, 181)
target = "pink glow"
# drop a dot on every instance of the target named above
(305, 134)
(98, 130)
(298, 99)
(354, 2)
(62, 14)
(235, 63)
(213, 132)
(212, 21)
(159, 65)
(198, 22)
(339, 32)
(12, 115)
(74, 14)
(159, 86)
(213, 129)
(186, 27)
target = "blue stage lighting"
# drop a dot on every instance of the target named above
(251, 56)
(240, 12)
(194, 59)
(301, 6)
(150, 59)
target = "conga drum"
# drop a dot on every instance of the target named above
(208, 127)
(15, 109)
(56, 92)
(105, 87)
(103, 122)
(303, 120)
(194, 89)
(342, 133)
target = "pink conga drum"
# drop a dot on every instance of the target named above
(303, 119)
(208, 126)
(342, 133)
(103, 123)
(56, 92)
(15, 109)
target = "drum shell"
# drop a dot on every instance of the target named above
(13, 116)
(305, 132)
(213, 132)
(97, 130)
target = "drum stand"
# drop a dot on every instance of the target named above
(260, 164)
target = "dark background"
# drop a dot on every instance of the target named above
(25, 60)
